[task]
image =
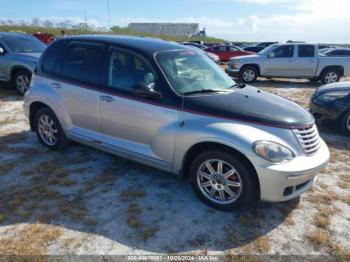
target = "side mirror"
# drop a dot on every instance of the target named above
(271, 55)
(144, 90)
(2, 51)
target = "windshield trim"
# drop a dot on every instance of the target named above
(4, 39)
(178, 94)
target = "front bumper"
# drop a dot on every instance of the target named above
(232, 72)
(324, 115)
(286, 181)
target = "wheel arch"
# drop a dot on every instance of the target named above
(33, 109)
(333, 67)
(17, 68)
(256, 66)
(196, 149)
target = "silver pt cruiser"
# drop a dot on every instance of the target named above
(167, 106)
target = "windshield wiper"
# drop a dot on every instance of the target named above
(238, 85)
(203, 91)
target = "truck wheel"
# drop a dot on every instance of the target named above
(222, 181)
(330, 76)
(49, 130)
(345, 123)
(21, 81)
(248, 75)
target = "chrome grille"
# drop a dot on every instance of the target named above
(309, 139)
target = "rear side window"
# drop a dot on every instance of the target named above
(52, 58)
(306, 51)
(83, 63)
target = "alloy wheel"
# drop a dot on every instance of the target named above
(47, 130)
(248, 75)
(348, 123)
(22, 83)
(331, 77)
(219, 181)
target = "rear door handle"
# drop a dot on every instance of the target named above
(56, 85)
(107, 98)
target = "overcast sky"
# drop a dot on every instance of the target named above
(236, 20)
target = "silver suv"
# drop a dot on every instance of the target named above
(19, 54)
(168, 106)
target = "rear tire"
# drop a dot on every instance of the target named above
(21, 81)
(330, 76)
(345, 123)
(248, 75)
(49, 130)
(224, 186)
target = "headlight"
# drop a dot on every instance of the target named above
(331, 96)
(273, 152)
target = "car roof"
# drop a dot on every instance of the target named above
(13, 34)
(144, 44)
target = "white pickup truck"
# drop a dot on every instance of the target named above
(289, 61)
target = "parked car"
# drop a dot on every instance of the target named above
(338, 52)
(203, 47)
(164, 105)
(225, 52)
(330, 105)
(295, 60)
(266, 44)
(19, 55)
(254, 49)
(212, 56)
(45, 38)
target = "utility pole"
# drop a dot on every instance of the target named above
(109, 15)
(85, 19)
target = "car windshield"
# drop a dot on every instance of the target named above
(267, 50)
(21, 44)
(189, 71)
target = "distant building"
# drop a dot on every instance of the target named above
(170, 29)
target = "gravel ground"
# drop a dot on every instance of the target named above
(83, 201)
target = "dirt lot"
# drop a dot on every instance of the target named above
(82, 201)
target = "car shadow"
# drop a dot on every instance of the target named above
(87, 191)
(8, 93)
(286, 83)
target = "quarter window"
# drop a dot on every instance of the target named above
(284, 51)
(83, 63)
(306, 51)
(126, 70)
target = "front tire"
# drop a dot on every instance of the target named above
(49, 130)
(222, 181)
(330, 76)
(21, 81)
(248, 75)
(345, 123)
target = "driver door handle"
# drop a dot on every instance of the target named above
(107, 98)
(56, 85)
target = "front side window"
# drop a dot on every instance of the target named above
(189, 71)
(23, 44)
(284, 51)
(306, 51)
(126, 70)
(83, 63)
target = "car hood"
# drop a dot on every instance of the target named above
(253, 56)
(252, 105)
(334, 87)
(31, 56)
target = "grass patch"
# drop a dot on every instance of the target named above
(32, 240)
(131, 194)
(133, 213)
(321, 238)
